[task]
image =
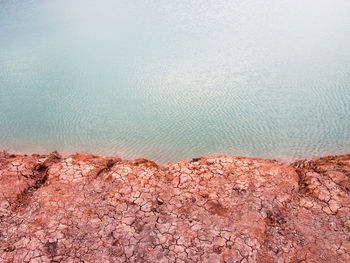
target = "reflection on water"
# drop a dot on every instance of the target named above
(170, 80)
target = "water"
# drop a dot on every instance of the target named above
(170, 80)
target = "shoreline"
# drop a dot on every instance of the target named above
(67, 154)
(208, 209)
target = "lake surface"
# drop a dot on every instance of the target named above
(170, 80)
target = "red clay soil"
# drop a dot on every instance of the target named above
(85, 208)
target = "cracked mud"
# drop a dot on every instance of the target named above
(85, 208)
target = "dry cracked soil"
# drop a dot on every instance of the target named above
(86, 208)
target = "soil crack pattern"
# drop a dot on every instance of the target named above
(86, 208)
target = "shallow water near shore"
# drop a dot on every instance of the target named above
(171, 80)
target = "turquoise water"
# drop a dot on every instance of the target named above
(170, 80)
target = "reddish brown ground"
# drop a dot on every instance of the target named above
(85, 208)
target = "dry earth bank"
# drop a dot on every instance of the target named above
(85, 208)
